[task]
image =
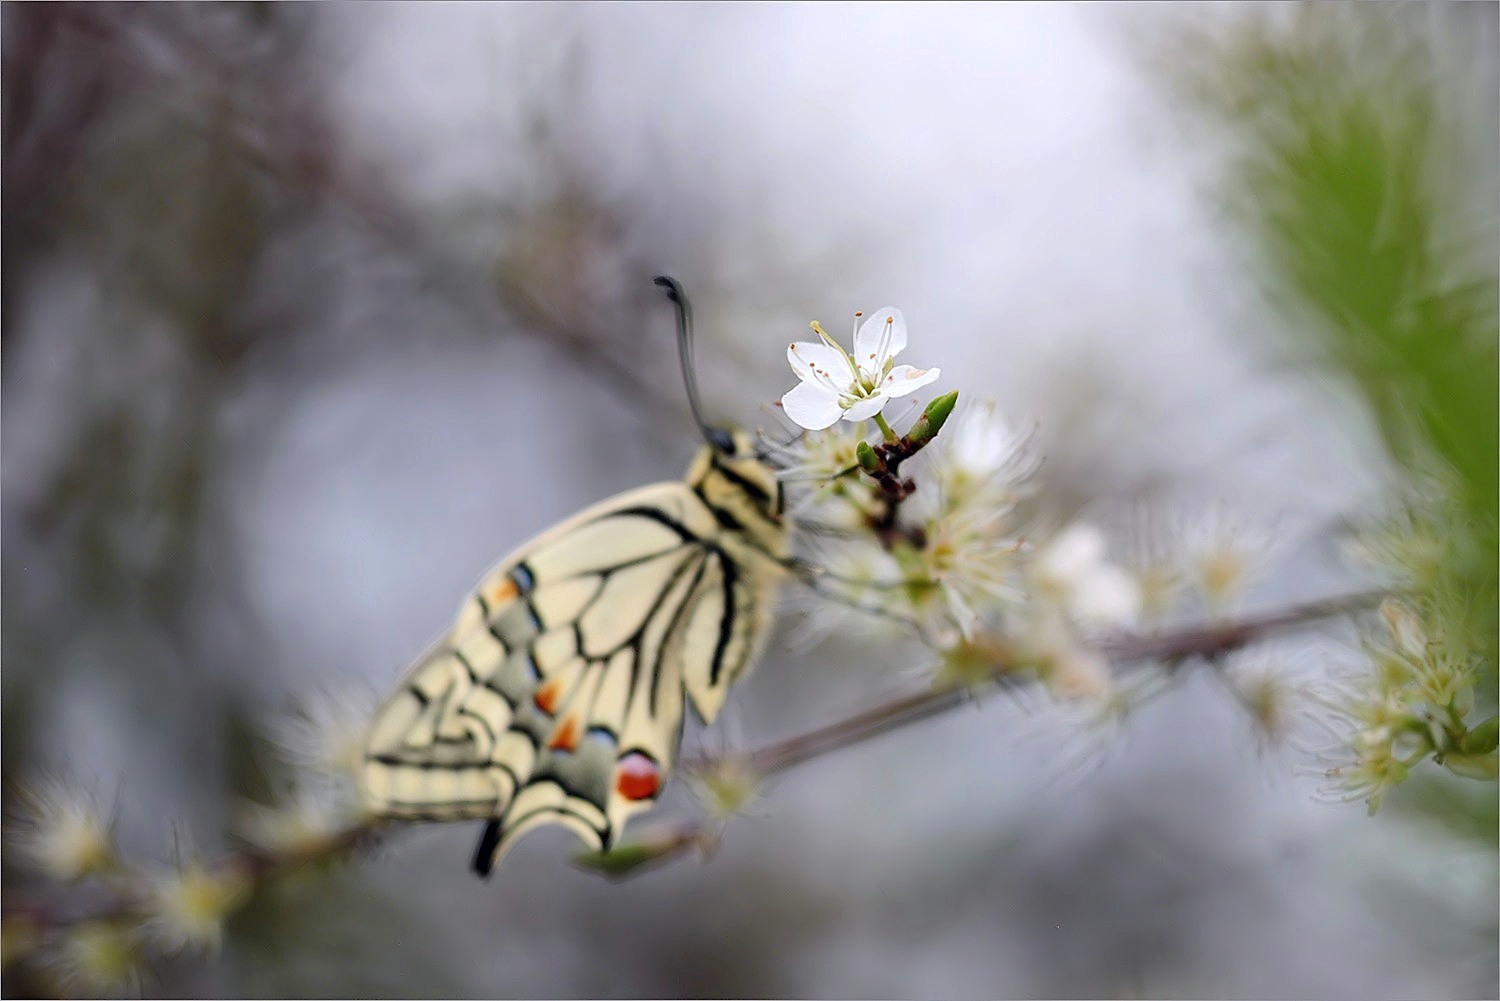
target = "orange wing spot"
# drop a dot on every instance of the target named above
(546, 697)
(639, 777)
(565, 737)
(502, 592)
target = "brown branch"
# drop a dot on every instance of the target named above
(1209, 640)
(257, 868)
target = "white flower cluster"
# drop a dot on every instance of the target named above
(1409, 703)
(65, 831)
(953, 559)
(952, 544)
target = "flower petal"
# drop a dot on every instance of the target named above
(982, 443)
(1108, 597)
(811, 406)
(809, 360)
(904, 379)
(1070, 556)
(880, 337)
(867, 408)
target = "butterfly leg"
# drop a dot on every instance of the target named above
(484, 852)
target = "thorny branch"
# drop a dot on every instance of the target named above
(1211, 641)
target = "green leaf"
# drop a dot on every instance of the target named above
(625, 860)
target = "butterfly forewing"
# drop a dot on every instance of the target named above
(558, 695)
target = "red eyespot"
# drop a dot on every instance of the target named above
(638, 777)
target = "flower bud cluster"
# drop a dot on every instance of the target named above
(64, 831)
(1411, 702)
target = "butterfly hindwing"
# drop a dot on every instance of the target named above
(557, 697)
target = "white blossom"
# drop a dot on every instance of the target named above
(300, 823)
(835, 384)
(1070, 669)
(1072, 569)
(99, 958)
(1227, 552)
(325, 736)
(982, 444)
(64, 829)
(190, 903)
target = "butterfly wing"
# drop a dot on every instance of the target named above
(557, 697)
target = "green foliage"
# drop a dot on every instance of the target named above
(1376, 232)
(1344, 148)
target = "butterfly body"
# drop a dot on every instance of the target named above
(558, 696)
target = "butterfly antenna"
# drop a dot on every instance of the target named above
(685, 353)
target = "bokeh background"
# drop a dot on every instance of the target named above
(311, 312)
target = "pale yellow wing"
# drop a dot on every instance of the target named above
(558, 695)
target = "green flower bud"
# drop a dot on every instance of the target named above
(932, 419)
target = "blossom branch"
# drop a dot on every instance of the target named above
(126, 900)
(1210, 641)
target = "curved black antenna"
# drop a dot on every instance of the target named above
(716, 437)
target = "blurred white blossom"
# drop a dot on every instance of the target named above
(99, 958)
(1270, 683)
(1153, 557)
(980, 444)
(727, 787)
(190, 903)
(1072, 569)
(1226, 554)
(325, 735)
(981, 460)
(298, 824)
(62, 827)
(1069, 668)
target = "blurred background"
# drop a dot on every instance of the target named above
(311, 312)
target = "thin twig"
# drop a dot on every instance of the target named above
(258, 868)
(1210, 640)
